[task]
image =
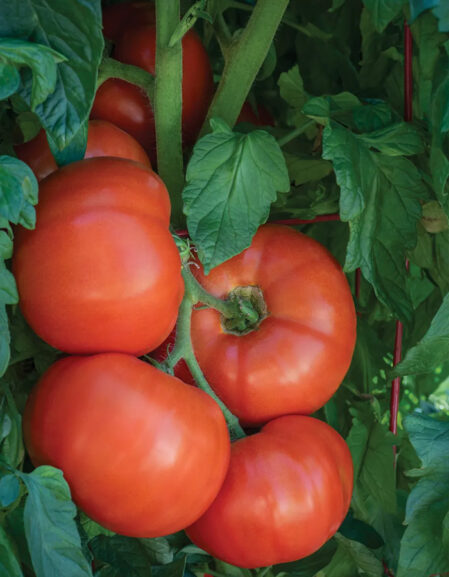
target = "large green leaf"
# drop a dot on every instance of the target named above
(42, 61)
(424, 548)
(309, 566)
(371, 446)
(133, 557)
(9, 566)
(351, 559)
(232, 179)
(50, 528)
(380, 198)
(18, 192)
(72, 29)
(432, 350)
(384, 11)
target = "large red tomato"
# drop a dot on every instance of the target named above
(297, 357)
(101, 271)
(126, 106)
(103, 139)
(143, 453)
(287, 490)
(119, 17)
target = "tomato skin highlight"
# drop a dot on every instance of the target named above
(101, 271)
(287, 491)
(297, 357)
(104, 139)
(127, 106)
(143, 453)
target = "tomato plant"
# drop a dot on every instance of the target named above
(300, 193)
(100, 272)
(130, 440)
(297, 471)
(104, 139)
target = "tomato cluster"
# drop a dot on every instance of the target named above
(146, 453)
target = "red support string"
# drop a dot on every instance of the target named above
(408, 113)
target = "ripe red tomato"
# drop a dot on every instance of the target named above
(299, 354)
(126, 106)
(104, 139)
(100, 272)
(119, 17)
(287, 491)
(143, 453)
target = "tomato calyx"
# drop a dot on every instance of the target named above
(250, 310)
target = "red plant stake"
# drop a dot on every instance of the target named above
(408, 112)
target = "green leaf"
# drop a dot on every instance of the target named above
(232, 179)
(322, 108)
(428, 503)
(174, 569)
(384, 11)
(371, 446)
(91, 528)
(309, 566)
(11, 444)
(132, 557)
(352, 558)
(74, 31)
(400, 139)
(368, 366)
(18, 191)
(417, 7)
(53, 539)
(42, 61)
(9, 80)
(302, 170)
(442, 13)
(429, 42)
(9, 490)
(432, 350)
(291, 88)
(380, 197)
(9, 566)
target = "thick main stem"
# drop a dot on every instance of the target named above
(244, 58)
(168, 104)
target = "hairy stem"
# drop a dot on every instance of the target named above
(111, 68)
(184, 350)
(168, 104)
(244, 57)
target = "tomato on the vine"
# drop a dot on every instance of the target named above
(103, 139)
(125, 105)
(119, 17)
(143, 453)
(287, 490)
(297, 356)
(101, 271)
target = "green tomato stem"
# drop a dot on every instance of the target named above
(168, 104)
(295, 133)
(244, 57)
(183, 350)
(111, 68)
